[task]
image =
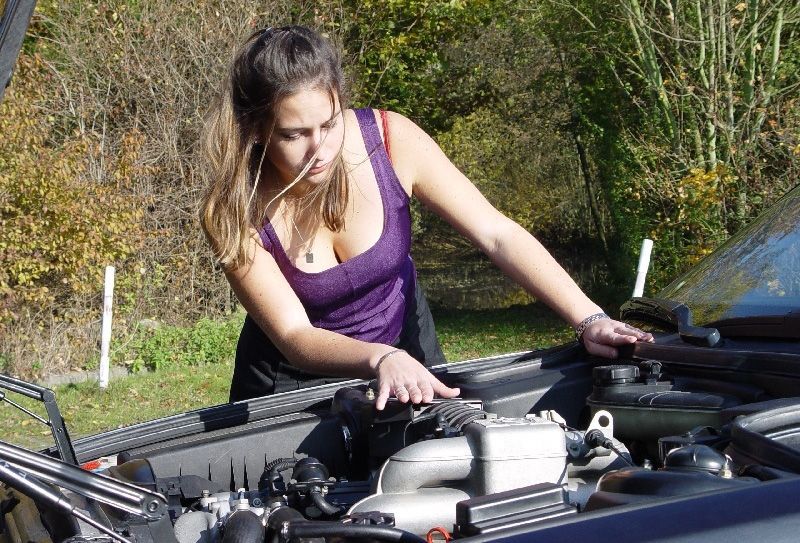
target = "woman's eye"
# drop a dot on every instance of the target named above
(290, 136)
(330, 124)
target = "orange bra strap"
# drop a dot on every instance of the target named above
(385, 122)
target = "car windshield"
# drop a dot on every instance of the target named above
(755, 273)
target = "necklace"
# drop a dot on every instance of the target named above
(309, 253)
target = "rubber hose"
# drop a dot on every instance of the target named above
(277, 467)
(324, 505)
(276, 519)
(278, 461)
(350, 531)
(462, 420)
(457, 414)
(243, 527)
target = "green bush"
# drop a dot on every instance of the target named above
(170, 347)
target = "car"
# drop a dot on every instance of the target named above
(693, 437)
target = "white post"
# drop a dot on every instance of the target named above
(105, 338)
(644, 264)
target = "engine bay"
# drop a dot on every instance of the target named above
(452, 469)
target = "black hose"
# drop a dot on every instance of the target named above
(274, 468)
(276, 519)
(324, 505)
(243, 527)
(596, 438)
(280, 464)
(465, 418)
(458, 414)
(348, 531)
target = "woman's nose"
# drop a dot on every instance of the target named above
(318, 142)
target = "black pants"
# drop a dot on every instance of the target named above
(261, 369)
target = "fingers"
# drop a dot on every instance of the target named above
(445, 391)
(409, 381)
(427, 392)
(610, 332)
(641, 335)
(601, 337)
(421, 392)
(383, 395)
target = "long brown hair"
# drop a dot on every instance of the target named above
(272, 64)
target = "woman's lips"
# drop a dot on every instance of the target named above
(318, 169)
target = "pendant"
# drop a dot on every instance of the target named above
(309, 257)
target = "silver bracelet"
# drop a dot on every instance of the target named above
(584, 324)
(384, 357)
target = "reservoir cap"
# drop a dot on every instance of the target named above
(615, 375)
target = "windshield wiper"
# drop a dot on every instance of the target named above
(771, 326)
(670, 313)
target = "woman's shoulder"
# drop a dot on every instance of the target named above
(397, 121)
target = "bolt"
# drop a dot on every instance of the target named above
(152, 507)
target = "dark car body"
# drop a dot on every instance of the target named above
(693, 437)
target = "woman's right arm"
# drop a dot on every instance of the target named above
(270, 301)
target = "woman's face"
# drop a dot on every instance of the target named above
(306, 123)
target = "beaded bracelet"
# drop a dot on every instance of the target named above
(584, 324)
(384, 357)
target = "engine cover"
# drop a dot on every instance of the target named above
(492, 456)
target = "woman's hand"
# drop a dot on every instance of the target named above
(601, 336)
(399, 374)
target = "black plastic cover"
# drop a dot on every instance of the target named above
(701, 458)
(635, 485)
(770, 437)
(518, 507)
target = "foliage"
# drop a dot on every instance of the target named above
(671, 91)
(59, 224)
(169, 347)
(516, 169)
(397, 52)
(593, 124)
(112, 122)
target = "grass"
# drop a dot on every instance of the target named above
(193, 367)
(138, 397)
(466, 334)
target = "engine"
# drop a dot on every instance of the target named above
(457, 468)
(450, 467)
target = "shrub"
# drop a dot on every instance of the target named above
(61, 221)
(169, 347)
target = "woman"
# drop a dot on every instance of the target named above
(307, 211)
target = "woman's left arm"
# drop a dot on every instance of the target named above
(440, 186)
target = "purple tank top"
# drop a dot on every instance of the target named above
(363, 297)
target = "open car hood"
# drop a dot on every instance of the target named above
(14, 21)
